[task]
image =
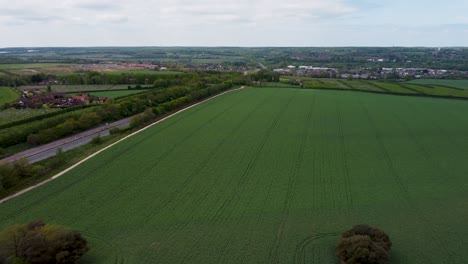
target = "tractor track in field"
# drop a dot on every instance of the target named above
(119, 257)
(301, 153)
(260, 215)
(101, 165)
(240, 183)
(130, 181)
(325, 170)
(247, 172)
(428, 157)
(241, 220)
(404, 190)
(206, 162)
(251, 165)
(269, 132)
(274, 252)
(216, 216)
(344, 154)
(300, 252)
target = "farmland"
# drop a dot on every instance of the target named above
(461, 84)
(407, 88)
(271, 175)
(76, 88)
(11, 114)
(116, 93)
(7, 95)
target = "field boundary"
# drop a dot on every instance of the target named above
(109, 146)
(387, 93)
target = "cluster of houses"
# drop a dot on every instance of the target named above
(36, 98)
(308, 71)
(378, 73)
(121, 66)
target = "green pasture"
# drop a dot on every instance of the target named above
(461, 84)
(407, 88)
(12, 114)
(117, 93)
(7, 95)
(142, 71)
(271, 175)
(30, 66)
(77, 88)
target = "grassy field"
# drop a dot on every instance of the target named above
(77, 88)
(7, 95)
(407, 88)
(271, 176)
(115, 94)
(461, 84)
(30, 66)
(11, 114)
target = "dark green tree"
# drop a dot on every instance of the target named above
(40, 243)
(365, 245)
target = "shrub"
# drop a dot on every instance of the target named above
(34, 140)
(96, 140)
(364, 244)
(57, 160)
(114, 130)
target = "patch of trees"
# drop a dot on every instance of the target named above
(364, 244)
(123, 78)
(265, 76)
(15, 173)
(94, 78)
(41, 243)
(139, 87)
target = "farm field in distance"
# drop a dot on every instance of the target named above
(12, 114)
(77, 88)
(7, 95)
(271, 175)
(403, 88)
(461, 84)
(116, 93)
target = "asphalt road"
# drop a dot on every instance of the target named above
(48, 150)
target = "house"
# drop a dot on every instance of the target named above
(81, 97)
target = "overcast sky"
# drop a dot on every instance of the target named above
(39, 23)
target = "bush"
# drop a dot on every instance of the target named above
(96, 140)
(34, 140)
(364, 244)
(57, 160)
(114, 130)
(38, 243)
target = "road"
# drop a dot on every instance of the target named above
(48, 150)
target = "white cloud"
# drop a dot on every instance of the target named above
(259, 12)
(206, 22)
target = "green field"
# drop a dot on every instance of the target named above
(461, 84)
(77, 88)
(271, 176)
(30, 66)
(11, 114)
(7, 95)
(407, 88)
(115, 94)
